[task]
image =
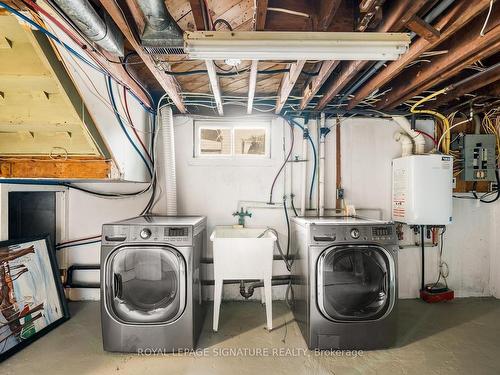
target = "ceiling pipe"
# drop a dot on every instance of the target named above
(102, 32)
(161, 30)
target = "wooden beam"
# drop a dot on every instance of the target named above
(452, 21)
(316, 82)
(288, 82)
(400, 12)
(252, 82)
(260, 14)
(49, 168)
(214, 83)
(198, 9)
(465, 48)
(471, 84)
(325, 12)
(423, 29)
(168, 83)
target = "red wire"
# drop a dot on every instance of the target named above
(428, 136)
(127, 112)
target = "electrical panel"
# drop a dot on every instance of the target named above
(422, 187)
(478, 156)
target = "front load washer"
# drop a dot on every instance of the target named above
(344, 280)
(150, 283)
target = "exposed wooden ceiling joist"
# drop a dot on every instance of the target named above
(200, 20)
(423, 29)
(288, 82)
(326, 10)
(168, 83)
(198, 10)
(467, 47)
(453, 20)
(325, 13)
(260, 14)
(214, 83)
(394, 21)
(252, 84)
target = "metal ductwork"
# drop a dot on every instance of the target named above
(102, 31)
(161, 34)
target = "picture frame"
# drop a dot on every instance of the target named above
(32, 300)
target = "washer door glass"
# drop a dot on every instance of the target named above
(146, 284)
(353, 283)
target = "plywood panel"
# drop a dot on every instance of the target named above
(48, 168)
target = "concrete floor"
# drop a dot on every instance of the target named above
(461, 337)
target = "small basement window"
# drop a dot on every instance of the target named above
(225, 140)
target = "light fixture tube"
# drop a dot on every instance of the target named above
(269, 45)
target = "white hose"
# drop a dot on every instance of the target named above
(166, 174)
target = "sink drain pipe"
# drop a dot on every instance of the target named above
(247, 293)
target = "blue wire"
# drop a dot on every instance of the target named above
(314, 154)
(115, 110)
(79, 56)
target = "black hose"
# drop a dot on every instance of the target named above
(293, 205)
(284, 163)
(223, 21)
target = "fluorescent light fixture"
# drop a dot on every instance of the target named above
(269, 45)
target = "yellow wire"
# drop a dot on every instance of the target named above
(446, 143)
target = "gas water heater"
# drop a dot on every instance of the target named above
(422, 187)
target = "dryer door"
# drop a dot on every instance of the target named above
(145, 284)
(355, 283)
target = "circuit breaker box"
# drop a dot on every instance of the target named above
(479, 157)
(422, 187)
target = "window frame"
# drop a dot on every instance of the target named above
(198, 126)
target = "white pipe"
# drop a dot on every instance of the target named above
(406, 143)
(303, 190)
(417, 139)
(321, 172)
(165, 160)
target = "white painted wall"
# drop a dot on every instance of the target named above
(214, 188)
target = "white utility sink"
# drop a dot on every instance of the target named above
(242, 254)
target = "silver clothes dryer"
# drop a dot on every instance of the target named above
(344, 280)
(150, 283)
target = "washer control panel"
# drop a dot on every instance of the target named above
(380, 233)
(174, 235)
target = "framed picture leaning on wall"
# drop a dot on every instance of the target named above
(32, 300)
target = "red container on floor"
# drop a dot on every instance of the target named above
(433, 297)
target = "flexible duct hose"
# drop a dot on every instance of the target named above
(166, 164)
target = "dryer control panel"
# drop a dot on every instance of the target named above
(323, 234)
(174, 235)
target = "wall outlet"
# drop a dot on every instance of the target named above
(340, 193)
